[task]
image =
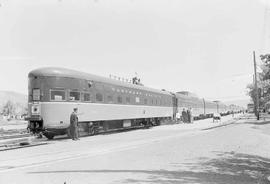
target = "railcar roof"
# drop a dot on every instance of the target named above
(63, 72)
(179, 95)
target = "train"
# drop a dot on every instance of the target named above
(104, 104)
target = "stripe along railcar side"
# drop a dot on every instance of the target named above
(104, 104)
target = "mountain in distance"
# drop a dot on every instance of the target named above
(14, 97)
(240, 102)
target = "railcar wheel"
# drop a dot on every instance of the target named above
(92, 131)
(49, 136)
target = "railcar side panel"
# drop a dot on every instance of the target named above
(58, 113)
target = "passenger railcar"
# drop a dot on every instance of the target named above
(222, 108)
(103, 103)
(200, 107)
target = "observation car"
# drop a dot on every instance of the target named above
(103, 104)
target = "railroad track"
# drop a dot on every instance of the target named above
(18, 140)
(19, 145)
(12, 136)
(22, 141)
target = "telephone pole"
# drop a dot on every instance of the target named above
(256, 105)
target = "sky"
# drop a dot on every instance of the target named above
(200, 46)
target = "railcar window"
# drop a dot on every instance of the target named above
(58, 95)
(145, 101)
(119, 99)
(99, 97)
(110, 99)
(128, 100)
(74, 96)
(36, 94)
(86, 97)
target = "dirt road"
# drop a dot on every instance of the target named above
(236, 153)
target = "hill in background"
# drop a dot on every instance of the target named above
(12, 96)
(18, 99)
(240, 102)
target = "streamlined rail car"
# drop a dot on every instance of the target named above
(103, 104)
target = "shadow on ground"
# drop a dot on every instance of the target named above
(258, 123)
(227, 168)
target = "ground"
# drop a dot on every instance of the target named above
(180, 153)
(12, 126)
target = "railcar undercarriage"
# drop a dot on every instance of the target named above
(88, 128)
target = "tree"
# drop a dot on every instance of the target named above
(8, 108)
(263, 82)
(265, 66)
(252, 93)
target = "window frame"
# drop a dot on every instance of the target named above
(110, 100)
(102, 96)
(145, 101)
(118, 99)
(63, 90)
(33, 94)
(76, 91)
(83, 99)
(128, 100)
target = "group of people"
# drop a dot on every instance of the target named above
(186, 116)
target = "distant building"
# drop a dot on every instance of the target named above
(250, 108)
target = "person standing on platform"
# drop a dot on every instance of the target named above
(188, 115)
(178, 116)
(74, 125)
(184, 115)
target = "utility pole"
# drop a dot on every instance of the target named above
(257, 113)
